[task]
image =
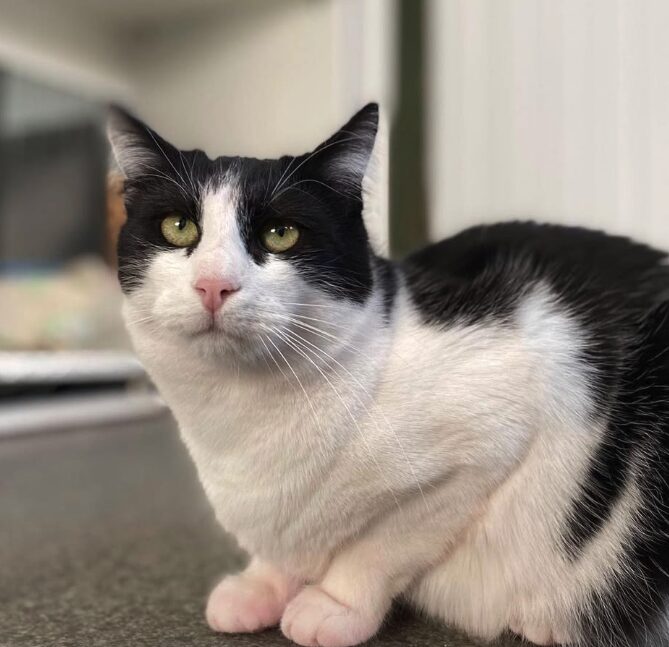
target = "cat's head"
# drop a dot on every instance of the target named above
(240, 255)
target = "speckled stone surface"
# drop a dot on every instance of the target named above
(106, 539)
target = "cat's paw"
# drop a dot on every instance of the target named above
(242, 604)
(314, 619)
(540, 634)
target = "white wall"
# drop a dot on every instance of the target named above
(55, 43)
(557, 110)
(258, 80)
(252, 76)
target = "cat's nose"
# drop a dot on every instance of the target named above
(213, 292)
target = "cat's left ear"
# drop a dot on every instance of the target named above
(138, 149)
(354, 161)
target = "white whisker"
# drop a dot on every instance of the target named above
(319, 150)
(372, 418)
(363, 439)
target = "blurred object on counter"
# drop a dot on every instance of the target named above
(115, 215)
(68, 367)
(32, 415)
(52, 188)
(77, 307)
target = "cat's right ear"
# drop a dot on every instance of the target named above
(138, 150)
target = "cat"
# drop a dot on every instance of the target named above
(480, 429)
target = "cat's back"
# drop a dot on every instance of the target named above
(575, 249)
(485, 271)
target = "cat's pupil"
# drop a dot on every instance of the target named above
(281, 231)
(181, 224)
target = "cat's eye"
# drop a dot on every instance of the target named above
(279, 238)
(179, 230)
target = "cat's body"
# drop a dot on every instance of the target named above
(481, 429)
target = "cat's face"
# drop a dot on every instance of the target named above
(243, 256)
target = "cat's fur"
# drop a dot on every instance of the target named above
(481, 429)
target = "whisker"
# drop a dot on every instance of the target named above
(169, 161)
(162, 176)
(189, 176)
(282, 176)
(306, 395)
(305, 318)
(291, 344)
(320, 149)
(140, 320)
(311, 305)
(295, 184)
(371, 399)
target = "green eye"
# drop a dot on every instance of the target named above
(280, 238)
(179, 230)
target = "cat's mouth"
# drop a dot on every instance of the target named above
(211, 327)
(215, 327)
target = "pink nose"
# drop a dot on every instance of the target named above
(214, 292)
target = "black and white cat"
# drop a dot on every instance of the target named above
(481, 429)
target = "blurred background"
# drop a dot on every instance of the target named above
(497, 109)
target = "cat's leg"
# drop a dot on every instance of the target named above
(471, 590)
(346, 608)
(541, 633)
(350, 601)
(538, 620)
(251, 600)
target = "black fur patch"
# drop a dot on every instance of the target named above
(634, 610)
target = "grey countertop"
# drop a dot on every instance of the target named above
(106, 539)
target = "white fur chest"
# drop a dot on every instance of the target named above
(274, 453)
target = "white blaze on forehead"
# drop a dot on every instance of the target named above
(221, 253)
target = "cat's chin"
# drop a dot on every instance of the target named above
(211, 327)
(204, 327)
(222, 349)
(221, 340)
(211, 333)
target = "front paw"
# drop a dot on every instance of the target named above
(243, 604)
(540, 633)
(314, 619)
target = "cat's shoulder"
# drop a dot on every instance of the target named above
(471, 250)
(483, 271)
